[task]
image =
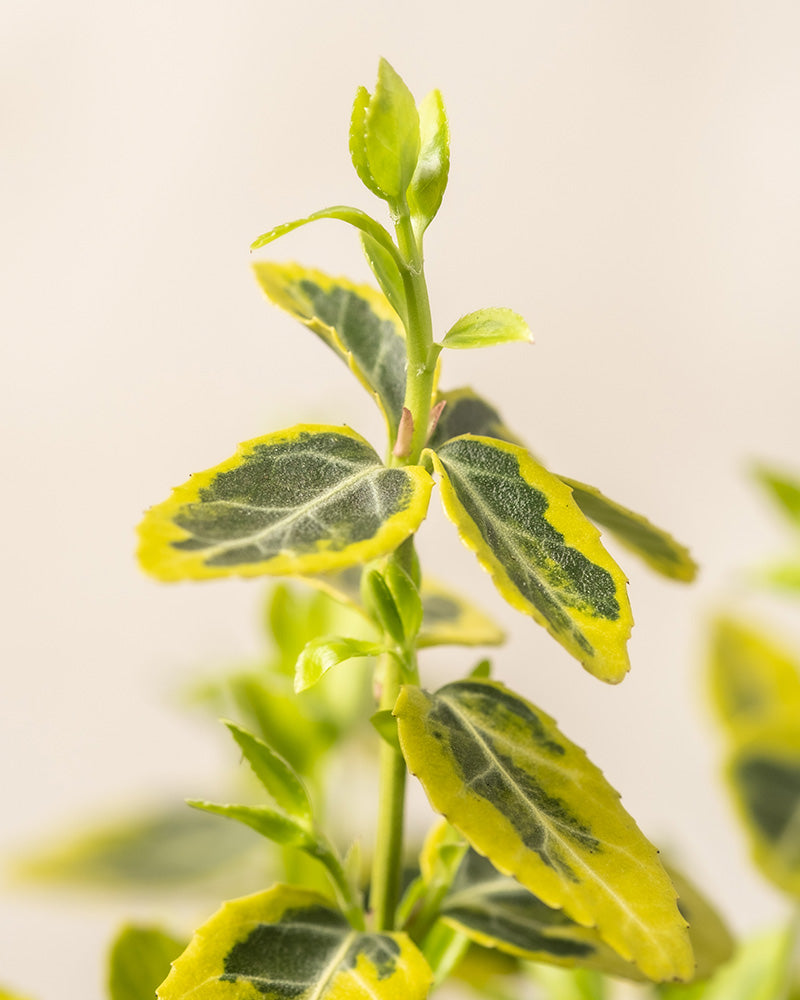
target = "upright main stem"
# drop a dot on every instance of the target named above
(388, 863)
(387, 866)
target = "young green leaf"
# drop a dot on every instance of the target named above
(140, 961)
(355, 321)
(321, 654)
(342, 213)
(466, 412)
(406, 597)
(656, 547)
(764, 772)
(380, 603)
(385, 726)
(306, 500)
(357, 143)
(383, 266)
(275, 826)
(784, 490)
(481, 671)
(288, 944)
(530, 800)
(448, 619)
(487, 327)
(392, 136)
(8, 995)
(544, 556)
(755, 681)
(277, 777)
(430, 176)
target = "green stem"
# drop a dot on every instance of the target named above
(388, 863)
(422, 353)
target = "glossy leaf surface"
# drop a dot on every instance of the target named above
(521, 793)
(291, 944)
(754, 680)
(655, 546)
(392, 137)
(140, 961)
(355, 321)
(308, 499)
(466, 412)
(433, 166)
(544, 556)
(765, 774)
(487, 327)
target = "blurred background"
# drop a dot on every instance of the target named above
(624, 174)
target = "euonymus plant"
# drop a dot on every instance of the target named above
(533, 857)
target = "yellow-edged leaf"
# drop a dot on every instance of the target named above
(543, 555)
(355, 321)
(764, 772)
(655, 546)
(310, 499)
(521, 793)
(448, 619)
(291, 944)
(755, 681)
(495, 911)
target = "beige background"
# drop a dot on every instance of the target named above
(625, 174)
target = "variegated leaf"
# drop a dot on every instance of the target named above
(495, 911)
(764, 771)
(140, 961)
(500, 771)
(543, 555)
(355, 321)
(655, 546)
(448, 619)
(754, 680)
(159, 848)
(465, 412)
(309, 499)
(291, 944)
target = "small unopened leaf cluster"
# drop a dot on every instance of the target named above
(535, 858)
